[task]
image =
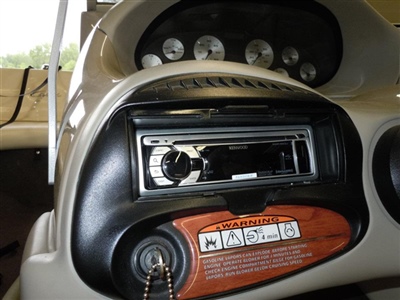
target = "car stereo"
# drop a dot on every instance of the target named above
(174, 161)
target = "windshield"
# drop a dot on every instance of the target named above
(27, 34)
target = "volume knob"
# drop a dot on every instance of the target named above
(176, 165)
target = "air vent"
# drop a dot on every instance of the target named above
(217, 82)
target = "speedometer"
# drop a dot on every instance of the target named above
(209, 47)
(259, 53)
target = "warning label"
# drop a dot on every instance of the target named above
(255, 261)
(231, 252)
(241, 232)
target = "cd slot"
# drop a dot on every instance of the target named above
(252, 140)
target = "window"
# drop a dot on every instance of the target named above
(27, 30)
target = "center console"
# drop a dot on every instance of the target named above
(224, 182)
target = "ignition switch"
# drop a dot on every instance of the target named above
(150, 256)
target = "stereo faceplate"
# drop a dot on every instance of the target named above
(174, 161)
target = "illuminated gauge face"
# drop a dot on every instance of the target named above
(173, 49)
(282, 71)
(290, 56)
(151, 60)
(308, 72)
(209, 48)
(259, 53)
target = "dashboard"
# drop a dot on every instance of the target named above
(299, 41)
(249, 147)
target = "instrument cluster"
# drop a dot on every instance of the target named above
(300, 41)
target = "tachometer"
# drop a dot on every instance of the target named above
(209, 47)
(259, 53)
(151, 60)
(290, 56)
(173, 49)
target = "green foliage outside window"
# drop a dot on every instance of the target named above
(39, 56)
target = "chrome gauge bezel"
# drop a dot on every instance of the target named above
(308, 72)
(259, 53)
(290, 56)
(209, 47)
(173, 49)
(151, 60)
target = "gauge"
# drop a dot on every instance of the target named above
(290, 56)
(282, 71)
(173, 49)
(209, 48)
(308, 72)
(151, 60)
(259, 53)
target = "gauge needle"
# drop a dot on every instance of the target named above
(209, 53)
(258, 56)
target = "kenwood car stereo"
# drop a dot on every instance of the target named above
(174, 161)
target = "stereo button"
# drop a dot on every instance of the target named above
(160, 150)
(156, 172)
(189, 150)
(191, 179)
(162, 181)
(155, 160)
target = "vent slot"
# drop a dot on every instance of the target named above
(216, 82)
